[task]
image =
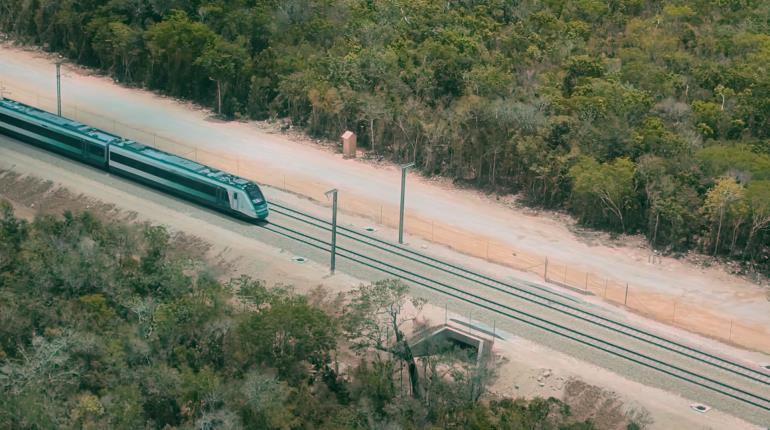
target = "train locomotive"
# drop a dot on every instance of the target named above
(214, 188)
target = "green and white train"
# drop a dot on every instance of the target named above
(180, 176)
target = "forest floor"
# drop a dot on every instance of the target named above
(527, 369)
(461, 218)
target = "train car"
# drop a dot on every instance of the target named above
(180, 176)
(55, 133)
(185, 177)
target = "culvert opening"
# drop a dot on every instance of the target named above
(370, 229)
(299, 259)
(697, 407)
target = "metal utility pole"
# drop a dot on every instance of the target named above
(404, 168)
(58, 88)
(333, 193)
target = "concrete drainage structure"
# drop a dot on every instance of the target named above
(435, 340)
(697, 407)
(299, 259)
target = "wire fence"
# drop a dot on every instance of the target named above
(657, 306)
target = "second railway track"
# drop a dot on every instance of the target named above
(704, 369)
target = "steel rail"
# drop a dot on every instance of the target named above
(625, 329)
(541, 323)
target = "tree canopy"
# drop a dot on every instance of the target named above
(108, 325)
(511, 96)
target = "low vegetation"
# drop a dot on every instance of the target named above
(634, 115)
(109, 325)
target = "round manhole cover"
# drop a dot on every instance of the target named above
(299, 260)
(370, 229)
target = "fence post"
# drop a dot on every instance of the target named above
(730, 338)
(625, 300)
(586, 281)
(545, 275)
(605, 287)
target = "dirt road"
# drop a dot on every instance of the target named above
(312, 168)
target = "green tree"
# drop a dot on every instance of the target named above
(581, 66)
(377, 311)
(611, 185)
(174, 44)
(287, 333)
(758, 198)
(222, 61)
(725, 202)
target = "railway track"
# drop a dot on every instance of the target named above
(729, 385)
(729, 370)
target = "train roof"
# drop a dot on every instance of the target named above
(106, 138)
(48, 118)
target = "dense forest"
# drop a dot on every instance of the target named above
(634, 115)
(109, 325)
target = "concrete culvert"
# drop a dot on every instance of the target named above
(697, 407)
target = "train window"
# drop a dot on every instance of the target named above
(255, 194)
(62, 138)
(165, 174)
(95, 150)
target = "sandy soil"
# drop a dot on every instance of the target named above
(311, 168)
(524, 368)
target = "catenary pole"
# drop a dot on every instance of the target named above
(332, 263)
(404, 168)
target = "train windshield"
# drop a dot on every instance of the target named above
(255, 194)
